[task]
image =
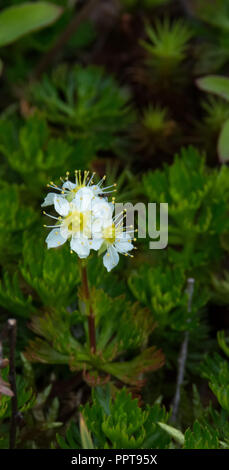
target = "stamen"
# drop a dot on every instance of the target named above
(92, 176)
(54, 186)
(52, 226)
(108, 187)
(76, 178)
(52, 216)
(117, 216)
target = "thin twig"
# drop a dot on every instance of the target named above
(4, 386)
(3, 362)
(182, 356)
(79, 17)
(12, 325)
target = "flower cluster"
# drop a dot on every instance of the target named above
(85, 218)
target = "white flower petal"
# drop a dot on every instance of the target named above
(69, 185)
(96, 227)
(123, 246)
(81, 246)
(111, 258)
(55, 239)
(96, 189)
(96, 243)
(64, 231)
(111, 204)
(49, 200)
(61, 205)
(101, 209)
(83, 199)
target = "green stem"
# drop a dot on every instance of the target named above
(91, 316)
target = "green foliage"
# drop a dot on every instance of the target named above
(173, 432)
(219, 86)
(62, 341)
(155, 120)
(215, 84)
(85, 435)
(163, 290)
(52, 274)
(26, 400)
(154, 129)
(223, 342)
(201, 438)
(17, 21)
(12, 297)
(216, 370)
(209, 431)
(32, 152)
(217, 112)
(56, 344)
(215, 13)
(15, 218)
(119, 423)
(166, 46)
(223, 144)
(198, 201)
(88, 104)
(220, 280)
(213, 24)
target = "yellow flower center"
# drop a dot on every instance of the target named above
(78, 222)
(72, 193)
(76, 189)
(109, 234)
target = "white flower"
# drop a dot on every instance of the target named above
(69, 189)
(114, 239)
(79, 220)
(86, 220)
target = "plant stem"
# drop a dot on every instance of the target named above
(12, 325)
(91, 316)
(182, 356)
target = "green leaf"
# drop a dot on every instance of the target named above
(12, 297)
(201, 437)
(88, 105)
(127, 425)
(173, 432)
(85, 435)
(214, 13)
(223, 342)
(215, 84)
(216, 370)
(22, 19)
(223, 143)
